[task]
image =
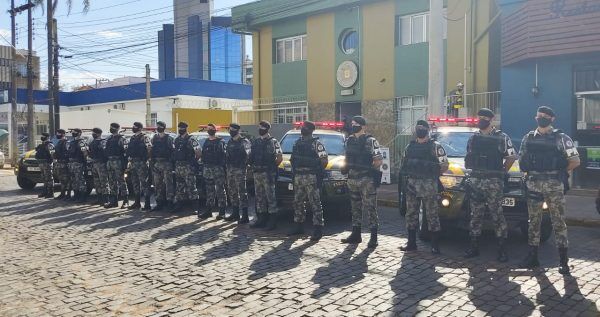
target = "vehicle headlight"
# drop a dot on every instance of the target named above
(445, 202)
(450, 181)
(545, 206)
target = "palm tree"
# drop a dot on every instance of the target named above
(86, 5)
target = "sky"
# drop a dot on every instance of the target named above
(115, 38)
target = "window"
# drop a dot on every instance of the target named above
(349, 41)
(414, 29)
(290, 113)
(410, 109)
(290, 49)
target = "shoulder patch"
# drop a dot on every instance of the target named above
(509, 142)
(194, 142)
(441, 151)
(320, 147)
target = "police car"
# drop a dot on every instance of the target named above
(335, 190)
(453, 134)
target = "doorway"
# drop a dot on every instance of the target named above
(347, 110)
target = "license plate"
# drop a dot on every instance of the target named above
(508, 202)
(290, 186)
(33, 169)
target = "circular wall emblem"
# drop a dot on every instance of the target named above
(347, 74)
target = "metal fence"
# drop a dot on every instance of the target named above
(475, 101)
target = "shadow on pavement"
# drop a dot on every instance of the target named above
(199, 237)
(236, 244)
(572, 303)
(281, 258)
(173, 232)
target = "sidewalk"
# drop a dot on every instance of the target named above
(580, 209)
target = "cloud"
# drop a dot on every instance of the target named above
(70, 78)
(109, 34)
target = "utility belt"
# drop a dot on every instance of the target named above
(161, 159)
(115, 158)
(537, 176)
(487, 174)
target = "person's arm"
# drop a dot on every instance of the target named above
(573, 163)
(377, 157)
(278, 153)
(510, 154)
(442, 158)
(571, 153)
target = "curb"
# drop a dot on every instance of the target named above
(578, 222)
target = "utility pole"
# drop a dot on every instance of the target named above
(436, 57)
(55, 85)
(148, 106)
(50, 34)
(30, 118)
(14, 150)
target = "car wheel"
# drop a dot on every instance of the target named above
(424, 234)
(25, 183)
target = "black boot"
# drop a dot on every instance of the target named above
(176, 207)
(531, 261)
(206, 214)
(61, 196)
(105, 199)
(261, 220)
(373, 240)
(147, 205)
(297, 229)
(136, 204)
(43, 193)
(221, 214)
(235, 214)
(435, 242)
(271, 222)
(502, 256)
(67, 195)
(244, 218)
(317, 233)
(473, 249)
(564, 262)
(354, 237)
(412, 241)
(112, 202)
(50, 193)
(160, 204)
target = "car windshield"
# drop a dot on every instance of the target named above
(202, 138)
(334, 143)
(455, 143)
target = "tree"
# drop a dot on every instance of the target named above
(86, 5)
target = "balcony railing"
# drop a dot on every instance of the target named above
(473, 102)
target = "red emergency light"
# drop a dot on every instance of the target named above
(453, 120)
(323, 124)
(204, 127)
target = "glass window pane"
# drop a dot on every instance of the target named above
(406, 101)
(304, 48)
(297, 49)
(280, 56)
(418, 30)
(288, 51)
(405, 30)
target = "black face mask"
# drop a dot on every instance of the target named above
(75, 134)
(543, 122)
(135, 129)
(421, 133)
(160, 130)
(305, 131)
(113, 130)
(59, 136)
(44, 138)
(483, 124)
(356, 128)
(233, 133)
(212, 132)
(182, 131)
(95, 136)
(263, 131)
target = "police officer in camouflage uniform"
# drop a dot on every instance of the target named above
(62, 165)
(490, 155)
(116, 145)
(138, 149)
(99, 172)
(78, 151)
(186, 155)
(547, 155)
(237, 152)
(265, 156)
(161, 163)
(423, 162)
(213, 165)
(43, 155)
(308, 161)
(363, 159)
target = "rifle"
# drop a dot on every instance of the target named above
(472, 192)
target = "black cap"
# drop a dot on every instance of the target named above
(77, 130)
(138, 125)
(182, 124)
(360, 120)
(234, 126)
(485, 112)
(97, 130)
(61, 131)
(547, 110)
(310, 125)
(46, 134)
(161, 124)
(265, 124)
(423, 123)
(211, 125)
(115, 125)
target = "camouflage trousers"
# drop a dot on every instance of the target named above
(162, 177)
(62, 172)
(363, 197)
(100, 175)
(47, 177)
(236, 187)
(307, 194)
(492, 190)
(77, 172)
(552, 192)
(185, 177)
(422, 191)
(214, 178)
(264, 189)
(138, 173)
(116, 179)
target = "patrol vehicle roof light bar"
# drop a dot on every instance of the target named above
(451, 119)
(323, 124)
(204, 127)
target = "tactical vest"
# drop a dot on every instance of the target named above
(96, 151)
(183, 152)
(42, 153)
(421, 161)
(259, 154)
(486, 152)
(235, 153)
(113, 146)
(137, 148)
(60, 151)
(75, 153)
(161, 147)
(543, 153)
(304, 155)
(358, 156)
(213, 152)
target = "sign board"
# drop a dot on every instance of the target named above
(386, 177)
(593, 158)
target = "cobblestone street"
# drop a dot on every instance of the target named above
(71, 260)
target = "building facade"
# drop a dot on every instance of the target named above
(6, 61)
(191, 27)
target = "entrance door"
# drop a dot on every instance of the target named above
(347, 110)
